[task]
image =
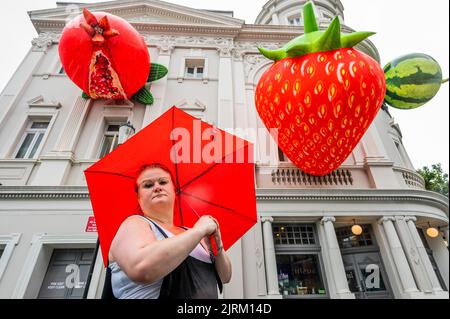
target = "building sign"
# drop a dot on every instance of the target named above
(91, 226)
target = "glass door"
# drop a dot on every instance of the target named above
(366, 276)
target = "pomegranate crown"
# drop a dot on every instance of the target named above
(100, 30)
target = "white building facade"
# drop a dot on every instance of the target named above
(302, 245)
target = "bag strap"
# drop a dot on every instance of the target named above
(156, 225)
(107, 292)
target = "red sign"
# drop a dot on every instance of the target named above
(91, 226)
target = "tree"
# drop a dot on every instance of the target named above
(435, 179)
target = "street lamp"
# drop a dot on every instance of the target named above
(356, 229)
(432, 231)
(125, 132)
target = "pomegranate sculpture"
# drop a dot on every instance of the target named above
(107, 58)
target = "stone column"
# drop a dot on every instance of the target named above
(72, 128)
(242, 121)
(269, 254)
(159, 89)
(225, 111)
(423, 255)
(334, 253)
(398, 256)
(253, 263)
(412, 254)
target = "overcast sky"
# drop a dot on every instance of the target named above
(402, 26)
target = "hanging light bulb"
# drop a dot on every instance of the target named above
(432, 231)
(356, 229)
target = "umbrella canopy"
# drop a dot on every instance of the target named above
(213, 174)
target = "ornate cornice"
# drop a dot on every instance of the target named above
(354, 195)
(262, 195)
(45, 40)
(44, 192)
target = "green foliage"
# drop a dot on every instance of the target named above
(435, 179)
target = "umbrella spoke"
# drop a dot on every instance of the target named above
(210, 168)
(216, 205)
(178, 190)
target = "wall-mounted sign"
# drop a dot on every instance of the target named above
(91, 226)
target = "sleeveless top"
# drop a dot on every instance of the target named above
(198, 259)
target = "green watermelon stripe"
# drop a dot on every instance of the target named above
(416, 78)
(387, 68)
(413, 56)
(395, 96)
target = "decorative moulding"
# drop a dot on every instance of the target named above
(38, 101)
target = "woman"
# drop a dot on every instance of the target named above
(150, 257)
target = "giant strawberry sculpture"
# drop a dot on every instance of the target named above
(107, 58)
(320, 95)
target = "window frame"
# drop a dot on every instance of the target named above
(295, 18)
(303, 249)
(9, 243)
(108, 133)
(195, 62)
(359, 249)
(37, 132)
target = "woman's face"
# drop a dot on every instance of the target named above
(155, 189)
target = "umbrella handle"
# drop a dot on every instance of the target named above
(213, 245)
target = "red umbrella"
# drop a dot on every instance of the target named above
(213, 172)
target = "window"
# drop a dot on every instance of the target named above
(299, 274)
(32, 139)
(110, 139)
(66, 274)
(194, 68)
(298, 260)
(293, 234)
(295, 20)
(347, 239)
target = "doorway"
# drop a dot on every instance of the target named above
(366, 276)
(364, 268)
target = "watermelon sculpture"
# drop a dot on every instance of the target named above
(412, 80)
(320, 94)
(107, 58)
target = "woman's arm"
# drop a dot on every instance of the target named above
(223, 266)
(223, 263)
(144, 258)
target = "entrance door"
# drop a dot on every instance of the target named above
(366, 276)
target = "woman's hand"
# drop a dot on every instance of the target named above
(217, 237)
(207, 225)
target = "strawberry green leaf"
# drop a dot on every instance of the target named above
(352, 39)
(309, 18)
(85, 96)
(331, 39)
(314, 40)
(273, 54)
